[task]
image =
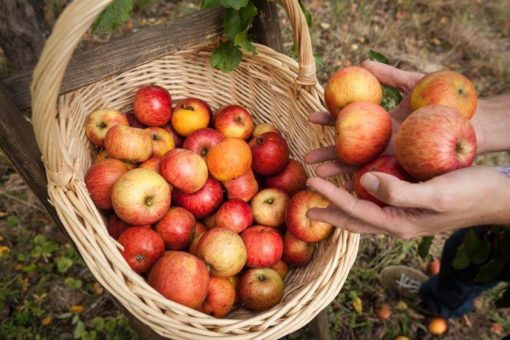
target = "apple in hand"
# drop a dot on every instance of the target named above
(176, 228)
(203, 202)
(190, 115)
(234, 121)
(202, 140)
(141, 197)
(296, 252)
(132, 120)
(264, 246)
(281, 268)
(100, 121)
(127, 143)
(142, 248)
(184, 169)
(116, 226)
(243, 187)
(180, 277)
(349, 85)
(151, 164)
(362, 132)
(260, 129)
(299, 224)
(269, 207)
(152, 105)
(260, 289)
(387, 164)
(291, 179)
(270, 153)
(234, 215)
(229, 159)
(223, 251)
(100, 179)
(447, 88)
(162, 141)
(434, 140)
(220, 297)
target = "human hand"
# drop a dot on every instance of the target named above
(461, 198)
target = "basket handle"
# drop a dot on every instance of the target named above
(72, 24)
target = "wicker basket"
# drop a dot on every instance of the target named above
(271, 85)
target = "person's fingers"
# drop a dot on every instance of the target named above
(319, 155)
(402, 110)
(323, 118)
(349, 185)
(392, 76)
(341, 220)
(335, 168)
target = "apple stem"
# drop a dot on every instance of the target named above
(189, 107)
(261, 277)
(149, 201)
(101, 125)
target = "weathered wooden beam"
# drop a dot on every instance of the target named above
(266, 26)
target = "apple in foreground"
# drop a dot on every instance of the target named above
(184, 169)
(152, 105)
(269, 207)
(281, 268)
(100, 179)
(296, 252)
(229, 159)
(128, 143)
(260, 129)
(362, 132)
(234, 121)
(180, 277)
(264, 246)
(116, 226)
(203, 202)
(235, 215)
(434, 140)
(162, 141)
(291, 179)
(202, 140)
(142, 248)
(260, 289)
(176, 228)
(141, 197)
(100, 121)
(189, 115)
(243, 187)
(299, 224)
(220, 298)
(270, 153)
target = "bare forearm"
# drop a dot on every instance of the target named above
(492, 123)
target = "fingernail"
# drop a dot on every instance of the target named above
(370, 182)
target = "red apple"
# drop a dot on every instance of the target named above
(162, 141)
(220, 297)
(127, 143)
(263, 128)
(297, 253)
(210, 221)
(434, 140)
(203, 202)
(199, 231)
(260, 289)
(363, 131)
(434, 267)
(291, 179)
(234, 215)
(270, 153)
(132, 120)
(176, 228)
(298, 222)
(234, 121)
(281, 268)
(178, 140)
(190, 115)
(243, 187)
(180, 277)
(151, 164)
(223, 251)
(229, 159)
(101, 155)
(202, 140)
(152, 105)
(184, 169)
(100, 121)
(269, 207)
(142, 248)
(100, 179)
(141, 197)
(264, 246)
(116, 226)
(387, 164)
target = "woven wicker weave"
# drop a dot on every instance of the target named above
(272, 86)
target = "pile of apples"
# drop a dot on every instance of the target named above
(210, 209)
(437, 137)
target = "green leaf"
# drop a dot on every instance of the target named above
(79, 330)
(210, 3)
(235, 4)
(482, 253)
(73, 283)
(391, 97)
(116, 14)
(12, 220)
(307, 14)
(226, 57)
(471, 241)
(232, 23)
(378, 57)
(63, 264)
(242, 41)
(424, 246)
(504, 300)
(490, 271)
(246, 14)
(461, 259)
(98, 323)
(29, 268)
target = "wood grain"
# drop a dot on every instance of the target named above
(266, 26)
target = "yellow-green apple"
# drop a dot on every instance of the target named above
(223, 251)
(291, 179)
(260, 129)
(269, 207)
(100, 121)
(299, 224)
(447, 88)
(229, 159)
(234, 121)
(362, 132)
(202, 140)
(132, 120)
(264, 246)
(140, 197)
(162, 141)
(152, 105)
(387, 164)
(243, 187)
(142, 248)
(234, 215)
(190, 115)
(176, 228)
(116, 226)
(296, 252)
(203, 202)
(281, 268)
(178, 140)
(184, 169)
(151, 164)
(210, 221)
(260, 289)
(434, 140)
(349, 85)
(127, 143)
(199, 231)
(180, 277)
(270, 153)
(100, 179)
(220, 297)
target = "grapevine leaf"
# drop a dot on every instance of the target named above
(307, 14)
(242, 41)
(461, 259)
(235, 4)
(226, 57)
(232, 23)
(246, 15)
(378, 57)
(116, 14)
(391, 97)
(210, 3)
(424, 246)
